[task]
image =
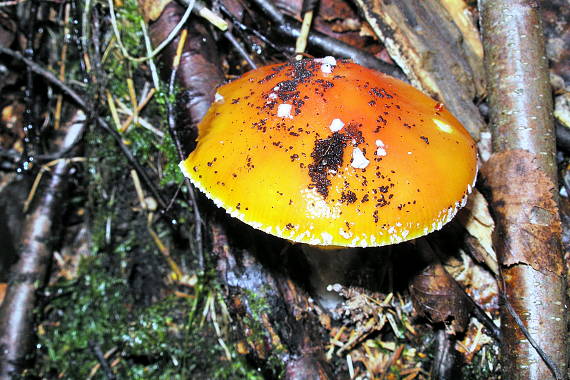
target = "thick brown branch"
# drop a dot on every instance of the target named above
(522, 179)
(16, 313)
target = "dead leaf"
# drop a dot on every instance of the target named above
(473, 341)
(437, 297)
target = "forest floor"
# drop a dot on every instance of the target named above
(142, 277)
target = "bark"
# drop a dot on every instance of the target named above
(29, 273)
(521, 176)
(259, 291)
(423, 40)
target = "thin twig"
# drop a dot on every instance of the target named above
(151, 63)
(307, 14)
(206, 13)
(230, 37)
(124, 110)
(174, 197)
(301, 43)
(161, 46)
(242, 27)
(96, 349)
(174, 135)
(45, 168)
(552, 366)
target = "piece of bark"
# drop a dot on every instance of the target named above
(521, 176)
(476, 219)
(465, 21)
(423, 40)
(29, 273)
(530, 227)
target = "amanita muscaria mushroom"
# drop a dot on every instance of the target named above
(329, 153)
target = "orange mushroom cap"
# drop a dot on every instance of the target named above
(328, 152)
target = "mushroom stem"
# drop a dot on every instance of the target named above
(329, 266)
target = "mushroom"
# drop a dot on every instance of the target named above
(328, 153)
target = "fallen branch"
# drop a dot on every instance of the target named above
(522, 177)
(29, 273)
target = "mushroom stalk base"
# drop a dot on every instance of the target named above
(328, 267)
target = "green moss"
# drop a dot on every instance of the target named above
(157, 342)
(144, 144)
(258, 305)
(171, 173)
(129, 21)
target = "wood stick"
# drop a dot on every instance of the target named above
(28, 274)
(522, 178)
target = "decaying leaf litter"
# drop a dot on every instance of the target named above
(147, 278)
